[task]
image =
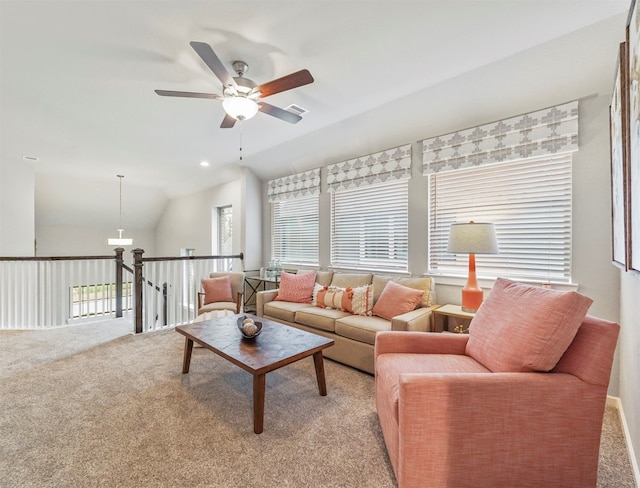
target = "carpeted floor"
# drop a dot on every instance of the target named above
(88, 406)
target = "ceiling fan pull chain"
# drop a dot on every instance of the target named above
(241, 140)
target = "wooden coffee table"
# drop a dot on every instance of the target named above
(275, 347)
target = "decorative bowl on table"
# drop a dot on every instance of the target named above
(248, 327)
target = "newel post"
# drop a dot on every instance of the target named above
(119, 262)
(137, 278)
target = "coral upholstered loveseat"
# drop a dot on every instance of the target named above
(518, 402)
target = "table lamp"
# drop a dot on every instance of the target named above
(472, 238)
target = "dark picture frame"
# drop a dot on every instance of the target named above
(618, 130)
(633, 90)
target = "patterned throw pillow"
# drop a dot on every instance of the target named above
(362, 301)
(297, 288)
(334, 297)
(358, 301)
(217, 290)
(396, 299)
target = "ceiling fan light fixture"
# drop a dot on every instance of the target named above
(240, 108)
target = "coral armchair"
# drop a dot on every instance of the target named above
(222, 291)
(449, 420)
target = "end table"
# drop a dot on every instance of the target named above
(439, 318)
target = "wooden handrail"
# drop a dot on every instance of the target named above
(187, 258)
(52, 258)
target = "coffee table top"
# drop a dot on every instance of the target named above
(277, 345)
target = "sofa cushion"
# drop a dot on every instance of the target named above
(296, 288)
(319, 318)
(210, 307)
(322, 277)
(425, 284)
(360, 328)
(396, 299)
(217, 289)
(522, 327)
(346, 280)
(283, 310)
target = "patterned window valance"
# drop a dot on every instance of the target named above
(545, 132)
(303, 184)
(392, 164)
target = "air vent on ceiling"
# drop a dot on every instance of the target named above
(296, 109)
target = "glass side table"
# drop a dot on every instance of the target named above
(254, 284)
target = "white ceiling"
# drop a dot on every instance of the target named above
(77, 77)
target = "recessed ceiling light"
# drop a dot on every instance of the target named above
(204, 164)
(33, 159)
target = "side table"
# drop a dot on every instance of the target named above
(254, 284)
(440, 315)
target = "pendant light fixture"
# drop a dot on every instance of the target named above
(120, 241)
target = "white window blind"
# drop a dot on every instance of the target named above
(530, 203)
(369, 227)
(295, 231)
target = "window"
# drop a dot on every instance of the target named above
(225, 238)
(530, 203)
(369, 227)
(295, 230)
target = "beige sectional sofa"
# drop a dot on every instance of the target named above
(354, 335)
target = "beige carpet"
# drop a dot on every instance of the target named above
(83, 407)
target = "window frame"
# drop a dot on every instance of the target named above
(515, 213)
(308, 239)
(370, 203)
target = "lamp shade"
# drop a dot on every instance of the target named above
(240, 108)
(473, 238)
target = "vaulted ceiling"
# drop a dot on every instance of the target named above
(78, 77)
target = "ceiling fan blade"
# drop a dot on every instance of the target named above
(294, 80)
(228, 122)
(279, 113)
(170, 93)
(214, 63)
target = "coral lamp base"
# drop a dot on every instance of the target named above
(471, 293)
(471, 299)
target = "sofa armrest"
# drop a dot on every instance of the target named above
(420, 343)
(416, 320)
(263, 297)
(486, 416)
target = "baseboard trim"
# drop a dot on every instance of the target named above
(615, 402)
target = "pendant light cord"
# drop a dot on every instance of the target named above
(241, 140)
(120, 218)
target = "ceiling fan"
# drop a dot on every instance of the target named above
(239, 94)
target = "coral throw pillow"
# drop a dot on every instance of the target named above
(217, 290)
(522, 327)
(297, 288)
(396, 299)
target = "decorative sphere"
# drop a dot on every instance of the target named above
(250, 328)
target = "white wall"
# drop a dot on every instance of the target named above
(17, 214)
(187, 221)
(89, 241)
(629, 352)
(251, 238)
